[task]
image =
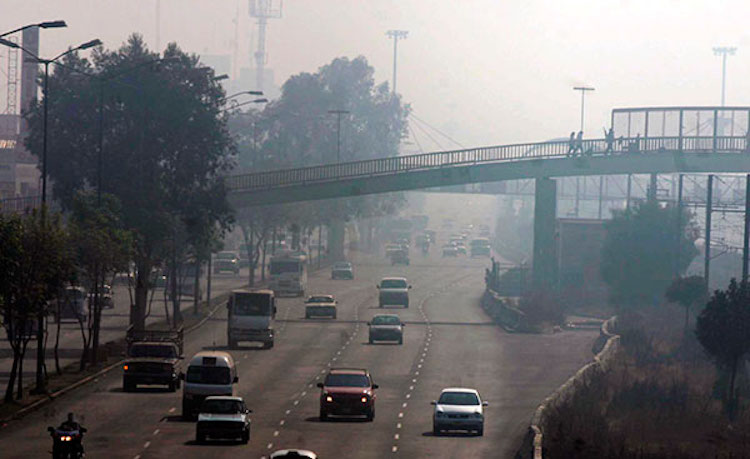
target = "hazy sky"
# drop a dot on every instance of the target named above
(483, 71)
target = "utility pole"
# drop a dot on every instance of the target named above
(263, 10)
(338, 114)
(158, 26)
(396, 35)
(583, 90)
(678, 247)
(724, 51)
(746, 235)
(709, 208)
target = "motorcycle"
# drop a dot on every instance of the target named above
(66, 443)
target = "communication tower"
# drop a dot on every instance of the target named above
(12, 97)
(263, 10)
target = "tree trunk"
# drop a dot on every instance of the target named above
(41, 381)
(732, 399)
(176, 314)
(138, 316)
(19, 393)
(12, 379)
(97, 318)
(86, 342)
(253, 259)
(58, 370)
(196, 286)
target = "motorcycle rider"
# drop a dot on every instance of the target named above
(70, 424)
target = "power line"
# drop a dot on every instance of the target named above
(429, 136)
(416, 140)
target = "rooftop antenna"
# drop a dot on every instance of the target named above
(263, 10)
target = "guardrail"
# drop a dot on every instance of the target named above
(502, 153)
(19, 205)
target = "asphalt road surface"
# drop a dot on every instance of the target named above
(449, 341)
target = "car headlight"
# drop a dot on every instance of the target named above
(329, 399)
(364, 399)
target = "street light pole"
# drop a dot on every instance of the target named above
(724, 51)
(41, 25)
(583, 90)
(396, 35)
(338, 114)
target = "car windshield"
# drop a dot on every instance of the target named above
(393, 283)
(208, 375)
(280, 267)
(320, 299)
(342, 266)
(458, 398)
(252, 304)
(347, 380)
(386, 320)
(153, 350)
(226, 256)
(222, 407)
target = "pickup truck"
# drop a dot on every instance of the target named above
(154, 357)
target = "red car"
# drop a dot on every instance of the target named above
(347, 392)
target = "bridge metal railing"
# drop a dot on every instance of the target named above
(19, 205)
(494, 154)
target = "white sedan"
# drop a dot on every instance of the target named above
(458, 409)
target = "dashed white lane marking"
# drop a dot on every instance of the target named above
(282, 422)
(395, 437)
(156, 432)
(411, 387)
(403, 405)
(138, 456)
(269, 446)
(276, 433)
(398, 426)
(146, 445)
(304, 392)
(395, 448)
(296, 402)
(288, 411)
(408, 396)
(172, 410)
(401, 415)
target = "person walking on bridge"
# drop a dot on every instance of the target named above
(609, 137)
(572, 143)
(579, 143)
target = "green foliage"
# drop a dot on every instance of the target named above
(687, 292)
(723, 329)
(297, 131)
(166, 145)
(640, 253)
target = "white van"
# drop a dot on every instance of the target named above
(208, 373)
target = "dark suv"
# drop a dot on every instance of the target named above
(347, 392)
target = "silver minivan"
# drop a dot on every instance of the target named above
(208, 373)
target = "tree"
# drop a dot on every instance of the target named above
(687, 292)
(723, 329)
(35, 263)
(101, 247)
(166, 146)
(297, 130)
(640, 252)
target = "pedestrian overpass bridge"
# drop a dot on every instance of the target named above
(655, 140)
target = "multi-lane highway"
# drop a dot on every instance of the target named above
(448, 342)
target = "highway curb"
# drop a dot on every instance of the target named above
(532, 446)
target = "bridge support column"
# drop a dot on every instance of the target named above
(336, 236)
(544, 272)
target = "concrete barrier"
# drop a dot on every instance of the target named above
(532, 447)
(503, 311)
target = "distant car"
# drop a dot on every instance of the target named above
(223, 417)
(298, 453)
(458, 409)
(480, 247)
(105, 296)
(450, 250)
(400, 257)
(72, 305)
(391, 248)
(320, 306)
(461, 249)
(227, 262)
(342, 270)
(386, 327)
(347, 392)
(394, 291)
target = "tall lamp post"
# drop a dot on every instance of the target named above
(40, 380)
(724, 51)
(41, 25)
(338, 114)
(583, 90)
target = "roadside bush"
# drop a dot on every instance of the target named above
(541, 309)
